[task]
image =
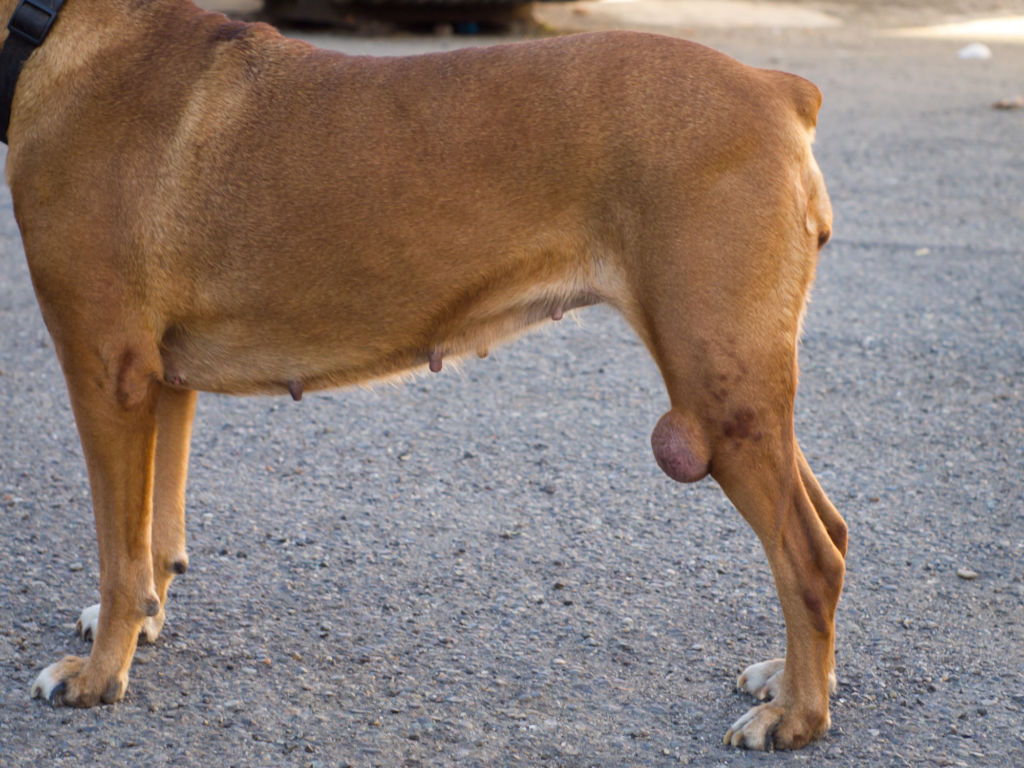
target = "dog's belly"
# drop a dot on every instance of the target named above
(325, 346)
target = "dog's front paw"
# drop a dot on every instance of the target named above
(89, 620)
(772, 726)
(762, 680)
(69, 682)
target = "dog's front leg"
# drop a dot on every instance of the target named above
(174, 414)
(175, 411)
(113, 391)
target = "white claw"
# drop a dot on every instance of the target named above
(88, 621)
(45, 682)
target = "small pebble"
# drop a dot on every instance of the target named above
(966, 574)
(976, 51)
(1015, 102)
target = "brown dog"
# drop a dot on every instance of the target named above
(206, 205)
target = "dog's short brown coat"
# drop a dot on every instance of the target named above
(206, 205)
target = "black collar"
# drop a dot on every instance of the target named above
(27, 29)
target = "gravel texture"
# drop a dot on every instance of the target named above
(486, 567)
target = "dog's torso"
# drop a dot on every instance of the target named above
(520, 155)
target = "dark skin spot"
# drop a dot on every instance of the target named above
(741, 425)
(231, 30)
(717, 386)
(816, 609)
(805, 543)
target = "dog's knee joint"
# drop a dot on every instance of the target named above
(680, 447)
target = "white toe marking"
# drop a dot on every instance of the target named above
(151, 628)
(46, 682)
(763, 679)
(88, 621)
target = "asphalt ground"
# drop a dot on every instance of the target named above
(486, 567)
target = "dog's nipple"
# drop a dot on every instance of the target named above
(482, 352)
(556, 314)
(434, 358)
(295, 389)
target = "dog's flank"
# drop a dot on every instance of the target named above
(215, 207)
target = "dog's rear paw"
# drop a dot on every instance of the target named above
(68, 683)
(772, 726)
(89, 620)
(764, 680)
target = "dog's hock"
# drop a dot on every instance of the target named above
(680, 447)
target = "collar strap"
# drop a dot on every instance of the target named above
(27, 29)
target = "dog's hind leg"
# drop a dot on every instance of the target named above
(830, 517)
(722, 321)
(764, 679)
(112, 382)
(751, 452)
(764, 484)
(175, 411)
